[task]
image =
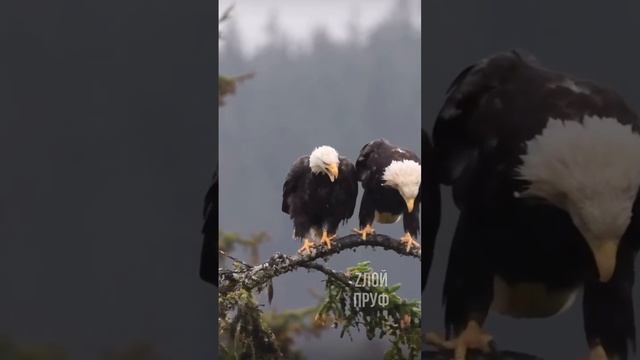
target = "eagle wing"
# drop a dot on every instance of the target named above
(455, 142)
(364, 163)
(410, 155)
(210, 200)
(431, 207)
(209, 254)
(299, 169)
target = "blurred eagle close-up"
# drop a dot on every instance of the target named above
(545, 169)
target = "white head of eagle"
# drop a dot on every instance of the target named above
(404, 176)
(591, 169)
(325, 159)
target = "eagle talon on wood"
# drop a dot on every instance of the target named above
(598, 353)
(409, 241)
(326, 239)
(365, 231)
(471, 338)
(307, 246)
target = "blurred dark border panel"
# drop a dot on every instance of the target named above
(430, 202)
(209, 255)
(108, 147)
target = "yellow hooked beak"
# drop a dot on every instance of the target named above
(409, 204)
(332, 171)
(604, 252)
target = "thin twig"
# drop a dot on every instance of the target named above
(340, 277)
(226, 14)
(234, 259)
(244, 77)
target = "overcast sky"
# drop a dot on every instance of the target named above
(299, 18)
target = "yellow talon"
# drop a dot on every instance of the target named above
(326, 239)
(598, 353)
(408, 240)
(472, 338)
(365, 232)
(306, 247)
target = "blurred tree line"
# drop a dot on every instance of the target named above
(349, 91)
(227, 84)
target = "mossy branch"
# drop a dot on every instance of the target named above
(227, 85)
(258, 276)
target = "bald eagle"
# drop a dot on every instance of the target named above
(391, 179)
(545, 170)
(319, 192)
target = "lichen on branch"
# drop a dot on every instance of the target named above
(256, 277)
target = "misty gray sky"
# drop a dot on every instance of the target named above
(300, 18)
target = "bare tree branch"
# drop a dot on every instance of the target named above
(259, 275)
(226, 14)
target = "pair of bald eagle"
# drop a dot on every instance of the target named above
(545, 170)
(320, 191)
